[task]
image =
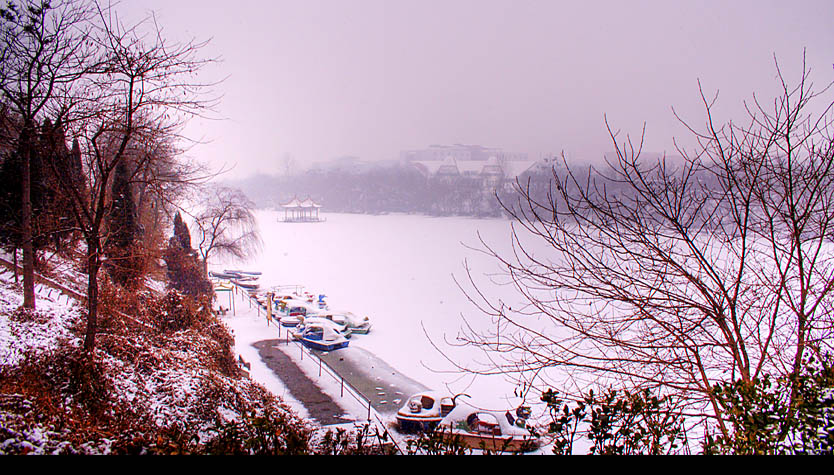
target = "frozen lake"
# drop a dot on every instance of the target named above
(399, 270)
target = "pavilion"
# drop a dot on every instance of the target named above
(297, 211)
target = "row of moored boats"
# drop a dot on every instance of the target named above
(306, 315)
(310, 321)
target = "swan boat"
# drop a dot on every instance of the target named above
(494, 431)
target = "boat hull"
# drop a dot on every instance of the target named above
(323, 346)
(492, 443)
(244, 285)
(244, 272)
(415, 424)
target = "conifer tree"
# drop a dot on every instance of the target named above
(55, 218)
(75, 168)
(185, 272)
(122, 222)
(10, 217)
(43, 191)
(181, 233)
(123, 229)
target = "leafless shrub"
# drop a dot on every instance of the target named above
(677, 276)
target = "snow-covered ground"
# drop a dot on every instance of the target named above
(46, 333)
(400, 271)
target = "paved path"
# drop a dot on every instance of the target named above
(384, 386)
(318, 404)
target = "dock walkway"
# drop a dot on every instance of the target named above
(321, 407)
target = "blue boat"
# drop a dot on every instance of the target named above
(321, 337)
(341, 328)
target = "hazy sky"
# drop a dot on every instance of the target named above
(323, 78)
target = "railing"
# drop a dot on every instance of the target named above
(325, 368)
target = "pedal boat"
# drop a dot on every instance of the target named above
(423, 412)
(321, 337)
(492, 431)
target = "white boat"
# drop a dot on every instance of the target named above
(245, 285)
(423, 411)
(354, 323)
(243, 272)
(339, 327)
(321, 337)
(293, 312)
(482, 429)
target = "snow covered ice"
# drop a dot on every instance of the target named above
(400, 271)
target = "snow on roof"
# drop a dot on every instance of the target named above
(472, 167)
(492, 166)
(429, 167)
(514, 168)
(296, 203)
(309, 203)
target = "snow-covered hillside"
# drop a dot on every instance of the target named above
(164, 382)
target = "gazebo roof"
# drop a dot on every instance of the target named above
(296, 203)
(309, 203)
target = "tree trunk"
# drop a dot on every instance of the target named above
(93, 265)
(26, 210)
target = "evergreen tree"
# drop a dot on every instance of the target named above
(122, 219)
(56, 217)
(10, 196)
(181, 233)
(185, 272)
(46, 209)
(125, 264)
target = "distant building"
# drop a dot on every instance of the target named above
(448, 162)
(459, 152)
(349, 165)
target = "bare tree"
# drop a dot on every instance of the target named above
(141, 92)
(226, 226)
(163, 177)
(678, 277)
(44, 49)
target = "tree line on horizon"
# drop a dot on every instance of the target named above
(392, 189)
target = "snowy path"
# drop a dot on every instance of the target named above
(385, 387)
(298, 378)
(320, 406)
